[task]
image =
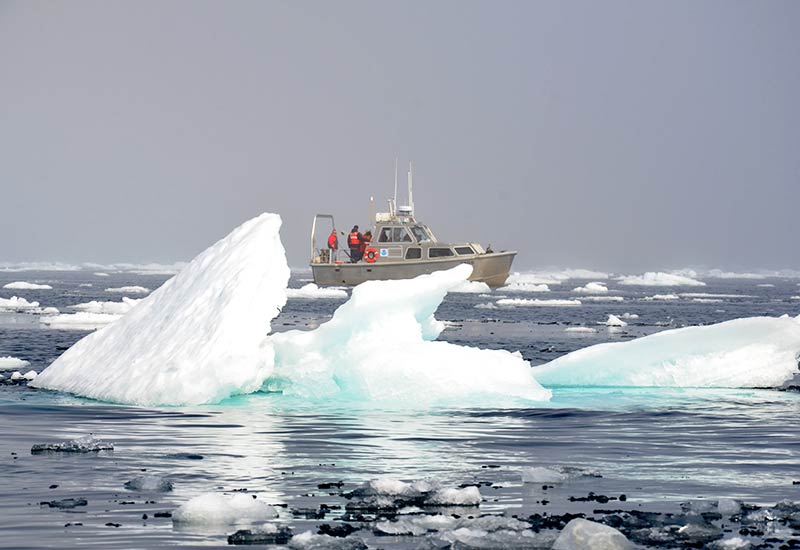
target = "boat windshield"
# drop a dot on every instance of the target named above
(420, 233)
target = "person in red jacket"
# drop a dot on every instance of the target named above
(333, 240)
(365, 240)
(354, 244)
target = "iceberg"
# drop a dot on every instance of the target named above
(203, 336)
(196, 339)
(379, 346)
(756, 352)
(652, 278)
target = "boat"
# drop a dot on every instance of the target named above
(402, 248)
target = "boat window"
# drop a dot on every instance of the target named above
(420, 234)
(413, 253)
(439, 252)
(464, 250)
(386, 235)
(400, 235)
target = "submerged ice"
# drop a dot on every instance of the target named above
(203, 336)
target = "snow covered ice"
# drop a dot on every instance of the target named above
(129, 290)
(22, 285)
(83, 320)
(752, 353)
(223, 509)
(652, 278)
(17, 304)
(591, 288)
(108, 307)
(524, 302)
(10, 363)
(581, 534)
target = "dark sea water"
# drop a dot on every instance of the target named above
(659, 447)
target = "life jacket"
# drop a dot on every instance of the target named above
(333, 241)
(354, 239)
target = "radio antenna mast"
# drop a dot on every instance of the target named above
(410, 188)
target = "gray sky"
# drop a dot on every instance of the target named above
(615, 135)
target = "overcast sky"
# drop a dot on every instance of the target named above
(612, 135)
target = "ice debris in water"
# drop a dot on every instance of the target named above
(222, 509)
(83, 320)
(107, 307)
(393, 494)
(581, 534)
(17, 304)
(659, 279)
(23, 285)
(312, 291)
(614, 321)
(588, 330)
(591, 288)
(471, 287)
(196, 339)
(85, 444)
(378, 346)
(202, 337)
(129, 290)
(7, 363)
(524, 302)
(149, 484)
(269, 533)
(750, 352)
(554, 474)
(525, 287)
(309, 541)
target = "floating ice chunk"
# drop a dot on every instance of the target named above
(17, 304)
(266, 534)
(312, 291)
(765, 285)
(129, 290)
(309, 541)
(587, 330)
(592, 288)
(508, 539)
(720, 274)
(196, 339)
(525, 287)
(82, 320)
(85, 444)
(539, 474)
(101, 274)
(795, 298)
(524, 302)
(581, 534)
(556, 276)
(614, 321)
(27, 286)
(468, 496)
(222, 509)
(603, 298)
(707, 300)
(377, 347)
(750, 352)
(663, 297)
(16, 375)
(659, 279)
(485, 305)
(149, 484)
(9, 363)
(109, 308)
(713, 295)
(87, 285)
(733, 543)
(629, 316)
(30, 375)
(471, 287)
(728, 506)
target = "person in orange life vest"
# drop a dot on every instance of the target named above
(354, 243)
(365, 240)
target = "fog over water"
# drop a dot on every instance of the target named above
(617, 135)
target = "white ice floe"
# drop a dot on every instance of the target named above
(795, 298)
(109, 308)
(129, 290)
(525, 287)
(86, 285)
(202, 337)
(614, 321)
(707, 300)
(766, 285)
(9, 363)
(17, 304)
(582, 534)
(713, 295)
(720, 274)
(83, 320)
(627, 315)
(592, 288)
(662, 297)
(196, 339)
(312, 291)
(101, 274)
(554, 277)
(652, 278)
(149, 483)
(223, 509)
(486, 305)
(750, 352)
(467, 496)
(22, 285)
(588, 330)
(602, 298)
(471, 287)
(378, 346)
(524, 302)
(30, 375)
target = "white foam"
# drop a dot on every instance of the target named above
(110, 308)
(592, 288)
(471, 287)
(129, 289)
(652, 278)
(524, 302)
(751, 352)
(222, 509)
(12, 363)
(22, 285)
(312, 291)
(17, 304)
(378, 346)
(196, 339)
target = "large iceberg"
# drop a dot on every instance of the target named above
(203, 336)
(197, 339)
(378, 346)
(743, 353)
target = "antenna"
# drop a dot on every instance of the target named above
(410, 187)
(395, 180)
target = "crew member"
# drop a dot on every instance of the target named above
(333, 240)
(365, 240)
(354, 243)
